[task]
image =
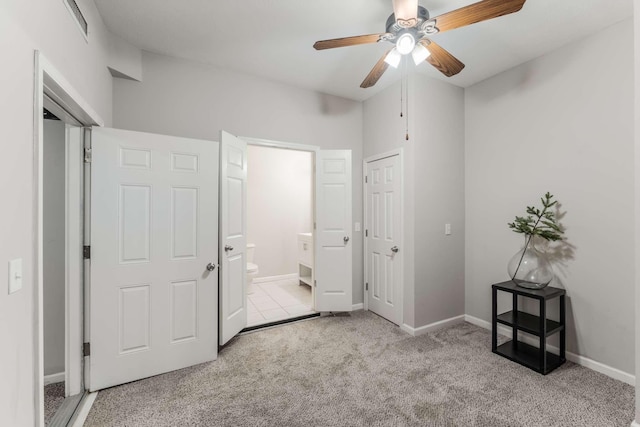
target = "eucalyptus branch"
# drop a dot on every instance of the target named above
(537, 223)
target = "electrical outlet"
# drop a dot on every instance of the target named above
(15, 275)
(357, 227)
(447, 229)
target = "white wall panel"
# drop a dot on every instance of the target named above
(184, 223)
(184, 310)
(134, 318)
(135, 158)
(135, 223)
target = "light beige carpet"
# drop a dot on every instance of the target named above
(53, 398)
(363, 371)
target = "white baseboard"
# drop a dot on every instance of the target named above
(421, 330)
(356, 307)
(275, 278)
(53, 378)
(609, 371)
(82, 412)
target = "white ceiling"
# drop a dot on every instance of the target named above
(274, 38)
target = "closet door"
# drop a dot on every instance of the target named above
(333, 231)
(153, 291)
(233, 236)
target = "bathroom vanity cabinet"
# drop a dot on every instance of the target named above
(305, 258)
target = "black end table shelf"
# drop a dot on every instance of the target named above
(536, 358)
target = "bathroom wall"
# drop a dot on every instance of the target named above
(279, 206)
(54, 245)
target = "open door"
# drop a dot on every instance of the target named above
(333, 231)
(233, 236)
(153, 291)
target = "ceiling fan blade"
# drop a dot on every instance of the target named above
(347, 41)
(376, 72)
(442, 60)
(406, 12)
(476, 12)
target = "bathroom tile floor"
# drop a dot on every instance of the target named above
(277, 300)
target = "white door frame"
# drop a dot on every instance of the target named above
(49, 81)
(396, 152)
(297, 147)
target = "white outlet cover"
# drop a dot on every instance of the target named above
(447, 229)
(357, 227)
(15, 275)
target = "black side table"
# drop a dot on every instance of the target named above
(536, 358)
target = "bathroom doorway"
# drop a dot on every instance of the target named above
(280, 222)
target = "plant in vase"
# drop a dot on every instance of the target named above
(529, 267)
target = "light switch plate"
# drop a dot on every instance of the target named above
(357, 226)
(15, 275)
(447, 229)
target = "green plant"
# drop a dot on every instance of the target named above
(539, 222)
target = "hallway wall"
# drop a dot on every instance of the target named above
(190, 99)
(26, 26)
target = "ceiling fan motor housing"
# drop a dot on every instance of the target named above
(394, 28)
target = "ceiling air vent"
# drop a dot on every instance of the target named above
(77, 13)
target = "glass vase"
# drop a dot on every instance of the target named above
(529, 268)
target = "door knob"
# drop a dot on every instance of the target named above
(346, 239)
(394, 249)
(211, 266)
(228, 248)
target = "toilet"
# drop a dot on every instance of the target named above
(252, 269)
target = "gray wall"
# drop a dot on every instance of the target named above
(434, 191)
(561, 123)
(24, 27)
(439, 200)
(384, 130)
(279, 206)
(54, 246)
(636, 20)
(183, 98)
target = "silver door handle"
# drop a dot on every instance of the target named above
(228, 248)
(211, 266)
(346, 239)
(394, 249)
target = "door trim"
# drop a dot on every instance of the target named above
(50, 82)
(279, 144)
(400, 153)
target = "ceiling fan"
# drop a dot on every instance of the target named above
(409, 28)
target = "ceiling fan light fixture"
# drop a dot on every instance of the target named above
(420, 53)
(393, 58)
(405, 44)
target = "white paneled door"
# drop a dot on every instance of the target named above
(383, 233)
(333, 231)
(154, 234)
(233, 236)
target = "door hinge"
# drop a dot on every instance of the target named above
(87, 155)
(366, 233)
(86, 252)
(366, 286)
(366, 179)
(86, 349)
(314, 225)
(315, 284)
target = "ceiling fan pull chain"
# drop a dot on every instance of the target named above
(406, 87)
(401, 93)
(407, 118)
